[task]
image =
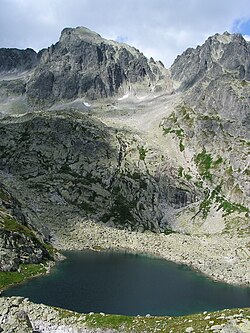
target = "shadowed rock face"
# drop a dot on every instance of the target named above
(17, 60)
(18, 242)
(71, 162)
(82, 63)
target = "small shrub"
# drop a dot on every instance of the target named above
(142, 153)
(204, 163)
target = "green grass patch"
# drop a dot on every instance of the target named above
(204, 162)
(50, 249)
(173, 118)
(229, 171)
(109, 321)
(188, 176)
(10, 224)
(244, 83)
(206, 204)
(181, 146)
(26, 271)
(167, 130)
(64, 314)
(200, 323)
(230, 207)
(218, 162)
(209, 117)
(182, 173)
(186, 115)
(247, 172)
(179, 132)
(142, 153)
(4, 195)
(245, 142)
(199, 183)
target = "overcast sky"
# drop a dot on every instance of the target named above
(159, 28)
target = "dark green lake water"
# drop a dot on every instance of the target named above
(130, 285)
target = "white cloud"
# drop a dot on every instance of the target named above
(159, 28)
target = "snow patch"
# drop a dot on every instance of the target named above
(87, 104)
(141, 98)
(123, 97)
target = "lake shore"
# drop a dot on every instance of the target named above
(220, 257)
(18, 314)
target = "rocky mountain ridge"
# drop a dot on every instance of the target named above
(81, 64)
(13, 60)
(218, 56)
(93, 130)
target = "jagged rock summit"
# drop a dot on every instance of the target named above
(83, 63)
(220, 55)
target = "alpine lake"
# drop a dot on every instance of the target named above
(128, 284)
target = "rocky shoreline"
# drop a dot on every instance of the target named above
(220, 257)
(19, 315)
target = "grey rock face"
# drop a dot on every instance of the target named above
(17, 60)
(82, 63)
(213, 121)
(16, 249)
(219, 55)
(18, 242)
(76, 163)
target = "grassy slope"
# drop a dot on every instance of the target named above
(26, 271)
(199, 322)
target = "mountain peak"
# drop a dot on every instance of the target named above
(226, 38)
(79, 33)
(220, 54)
(83, 64)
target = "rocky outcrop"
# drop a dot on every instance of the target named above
(19, 244)
(18, 248)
